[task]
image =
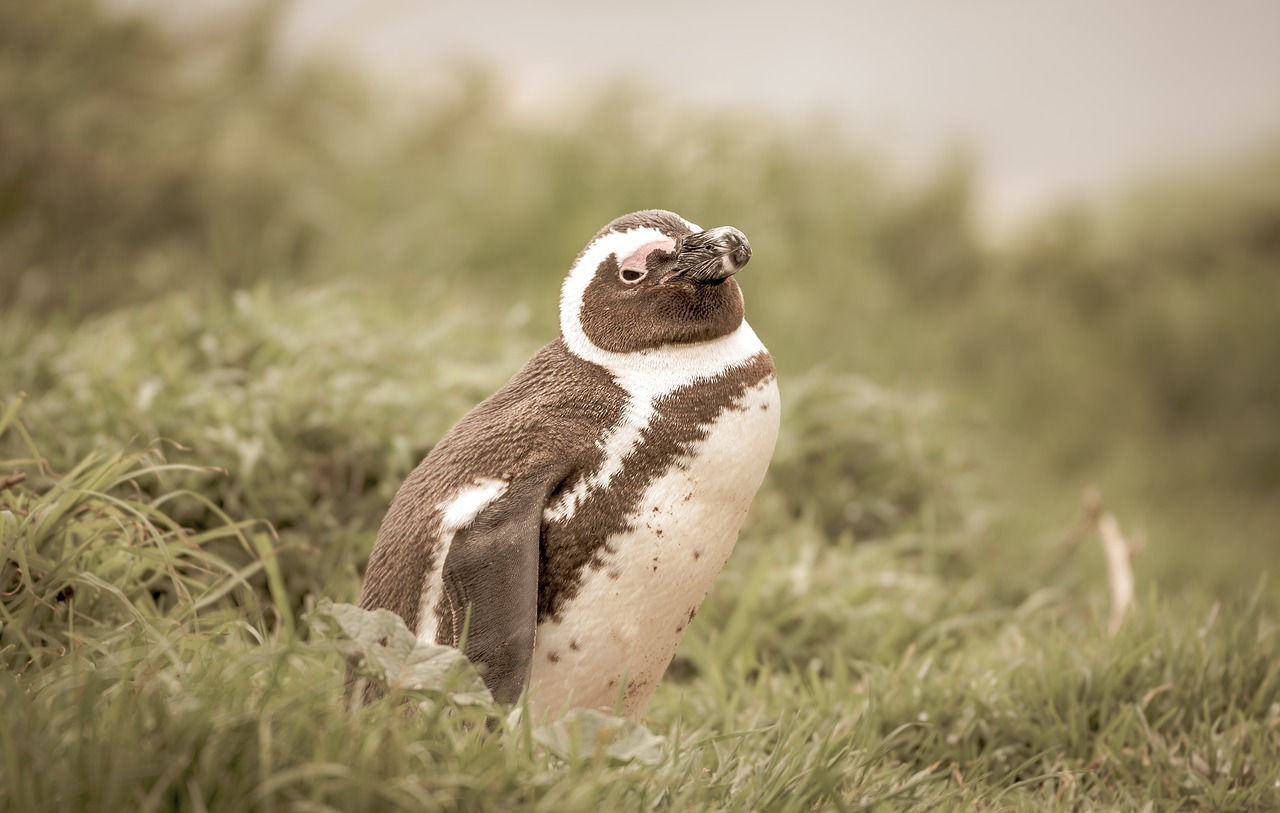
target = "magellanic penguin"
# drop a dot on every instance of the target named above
(575, 519)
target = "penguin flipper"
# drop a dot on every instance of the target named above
(490, 580)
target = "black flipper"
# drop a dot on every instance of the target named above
(491, 587)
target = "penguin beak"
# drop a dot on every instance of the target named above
(710, 257)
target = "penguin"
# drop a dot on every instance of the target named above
(567, 528)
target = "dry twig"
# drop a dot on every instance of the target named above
(1119, 570)
(11, 480)
(1118, 550)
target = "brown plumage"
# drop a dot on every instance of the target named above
(600, 490)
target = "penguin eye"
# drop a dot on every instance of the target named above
(632, 275)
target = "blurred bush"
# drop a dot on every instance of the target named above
(1132, 344)
(132, 164)
(859, 459)
(1157, 321)
(307, 401)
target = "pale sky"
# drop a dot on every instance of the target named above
(1057, 98)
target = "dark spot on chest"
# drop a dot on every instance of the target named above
(636, 688)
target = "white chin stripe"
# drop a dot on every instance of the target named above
(646, 373)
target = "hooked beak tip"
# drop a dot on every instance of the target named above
(712, 256)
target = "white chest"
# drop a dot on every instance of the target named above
(614, 640)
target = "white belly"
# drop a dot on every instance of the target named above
(619, 633)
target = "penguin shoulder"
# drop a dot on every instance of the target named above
(551, 413)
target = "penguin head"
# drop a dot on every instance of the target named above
(650, 279)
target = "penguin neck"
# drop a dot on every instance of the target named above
(653, 372)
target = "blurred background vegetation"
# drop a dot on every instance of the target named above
(239, 300)
(144, 180)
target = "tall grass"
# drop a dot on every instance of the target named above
(815, 677)
(88, 551)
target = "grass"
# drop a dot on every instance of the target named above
(159, 665)
(816, 677)
(227, 335)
